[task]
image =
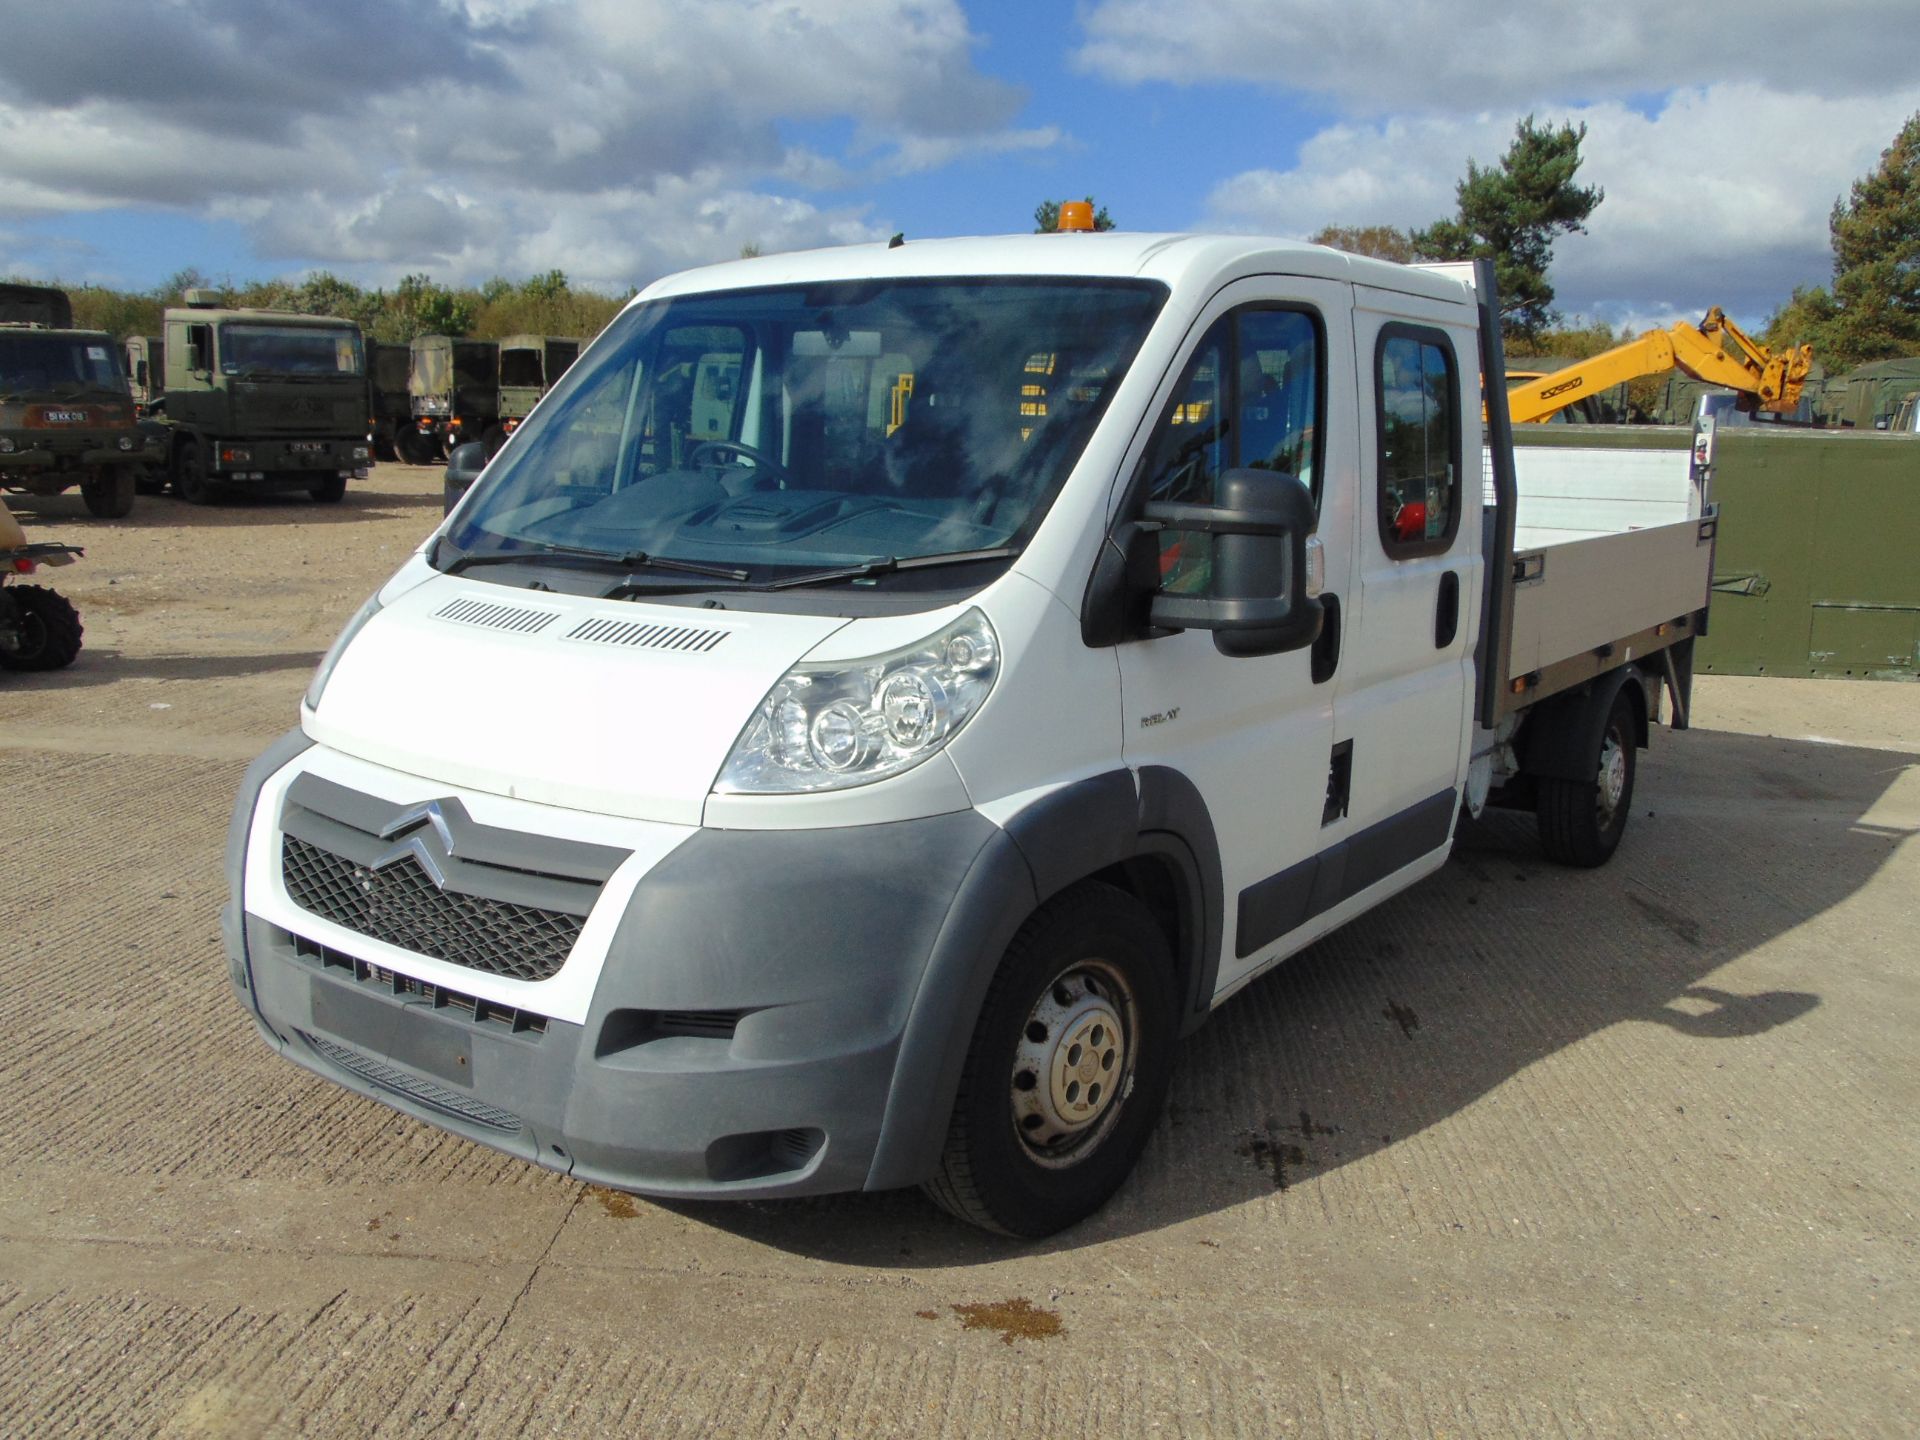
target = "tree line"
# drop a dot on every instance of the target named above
(546, 304)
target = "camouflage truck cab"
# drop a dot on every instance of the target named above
(66, 417)
(529, 367)
(388, 412)
(263, 398)
(453, 387)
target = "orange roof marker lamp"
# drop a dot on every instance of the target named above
(1075, 216)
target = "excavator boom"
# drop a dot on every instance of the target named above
(1770, 381)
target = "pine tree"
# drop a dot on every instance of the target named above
(1512, 213)
(1873, 310)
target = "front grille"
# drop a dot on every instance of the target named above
(392, 982)
(401, 905)
(400, 1082)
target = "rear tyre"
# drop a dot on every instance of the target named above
(1067, 1069)
(109, 493)
(414, 448)
(190, 480)
(330, 490)
(47, 629)
(1581, 821)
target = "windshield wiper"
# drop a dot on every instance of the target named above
(888, 565)
(599, 559)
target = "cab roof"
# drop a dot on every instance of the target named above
(1178, 261)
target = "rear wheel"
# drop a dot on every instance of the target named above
(109, 493)
(413, 447)
(44, 633)
(328, 490)
(1581, 821)
(190, 480)
(1067, 1069)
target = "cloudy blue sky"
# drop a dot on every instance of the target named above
(622, 139)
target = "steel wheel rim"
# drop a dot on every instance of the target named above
(1612, 776)
(1073, 1065)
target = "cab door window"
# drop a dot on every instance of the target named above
(1249, 398)
(1418, 385)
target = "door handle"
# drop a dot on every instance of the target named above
(1446, 611)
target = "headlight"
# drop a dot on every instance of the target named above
(126, 442)
(354, 626)
(234, 455)
(6, 446)
(359, 452)
(851, 722)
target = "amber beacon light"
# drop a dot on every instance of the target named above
(1075, 215)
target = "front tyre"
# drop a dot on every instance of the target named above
(190, 480)
(1581, 821)
(44, 629)
(1067, 1070)
(330, 490)
(109, 493)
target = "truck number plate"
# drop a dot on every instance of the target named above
(64, 417)
(307, 447)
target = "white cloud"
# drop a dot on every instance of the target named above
(478, 136)
(1455, 56)
(1720, 196)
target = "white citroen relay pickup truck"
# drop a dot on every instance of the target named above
(883, 698)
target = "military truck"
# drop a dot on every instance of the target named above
(388, 412)
(529, 365)
(1866, 397)
(264, 399)
(146, 371)
(66, 418)
(453, 389)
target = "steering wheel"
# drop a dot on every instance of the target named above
(702, 454)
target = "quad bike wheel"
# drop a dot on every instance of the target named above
(44, 633)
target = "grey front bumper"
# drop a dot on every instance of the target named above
(781, 1012)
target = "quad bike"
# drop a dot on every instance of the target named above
(39, 628)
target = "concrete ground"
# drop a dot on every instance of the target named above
(1525, 1152)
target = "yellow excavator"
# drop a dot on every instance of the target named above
(1766, 381)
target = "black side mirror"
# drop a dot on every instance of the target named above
(463, 468)
(1255, 600)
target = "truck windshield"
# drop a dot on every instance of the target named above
(790, 429)
(34, 360)
(289, 350)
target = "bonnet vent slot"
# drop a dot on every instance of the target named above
(639, 635)
(491, 615)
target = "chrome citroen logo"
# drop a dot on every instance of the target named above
(415, 845)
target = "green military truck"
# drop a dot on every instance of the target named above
(66, 418)
(453, 389)
(262, 399)
(388, 412)
(529, 366)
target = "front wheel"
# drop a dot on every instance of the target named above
(329, 490)
(190, 480)
(39, 629)
(1581, 821)
(109, 493)
(1067, 1070)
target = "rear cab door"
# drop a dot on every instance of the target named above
(1405, 691)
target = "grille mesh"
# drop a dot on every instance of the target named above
(389, 1077)
(402, 906)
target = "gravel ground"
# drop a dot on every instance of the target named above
(1523, 1152)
